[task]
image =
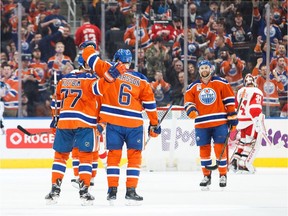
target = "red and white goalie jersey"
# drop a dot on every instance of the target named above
(251, 106)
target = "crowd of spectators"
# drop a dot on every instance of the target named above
(231, 34)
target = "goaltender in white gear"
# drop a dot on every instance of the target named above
(250, 126)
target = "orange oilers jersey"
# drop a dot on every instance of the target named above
(273, 63)
(270, 90)
(11, 99)
(99, 66)
(212, 100)
(55, 63)
(27, 72)
(42, 71)
(122, 105)
(77, 100)
(234, 72)
(130, 33)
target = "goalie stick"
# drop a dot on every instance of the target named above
(19, 127)
(160, 121)
(227, 138)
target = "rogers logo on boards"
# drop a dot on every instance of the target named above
(17, 139)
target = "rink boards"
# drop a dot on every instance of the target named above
(176, 143)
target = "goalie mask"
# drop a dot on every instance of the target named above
(123, 55)
(249, 81)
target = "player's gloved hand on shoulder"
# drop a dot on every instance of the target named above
(114, 71)
(192, 112)
(154, 130)
(100, 127)
(86, 44)
(232, 120)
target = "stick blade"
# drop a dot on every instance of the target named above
(19, 127)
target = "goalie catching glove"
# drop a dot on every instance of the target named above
(114, 71)
(154, 130)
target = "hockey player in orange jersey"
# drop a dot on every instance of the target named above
(122, 109)
(211, 102)
(75, 114)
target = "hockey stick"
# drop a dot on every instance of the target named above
(160, 121)
(227, 138)
(19, 127)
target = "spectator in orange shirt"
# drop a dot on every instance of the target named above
(269, 88)
(232, 68)
(160, 89)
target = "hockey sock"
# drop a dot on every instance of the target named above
(94, 164)
(222, 167)
(75, 161)
(59, 166)
(85, 167)
(133, 168)
(205, 156)
(113, 170)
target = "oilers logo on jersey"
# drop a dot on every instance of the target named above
(269, 88)
(207, 96)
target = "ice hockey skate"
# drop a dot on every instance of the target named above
(205, 183)
(75, 182)
(52, 197)
(132, 198)
(112, 195)
(86, 198)
(223, 181)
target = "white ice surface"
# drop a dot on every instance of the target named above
(265, 193)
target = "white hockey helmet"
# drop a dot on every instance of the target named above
(249, 80)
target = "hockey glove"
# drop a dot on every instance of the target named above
(1, 124)
(154, 130)
(54, 122)
(232, 120)
(100, 127)
(115, 71)
(87, 43)
(192, 112)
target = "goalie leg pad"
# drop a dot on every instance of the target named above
(248, 156)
